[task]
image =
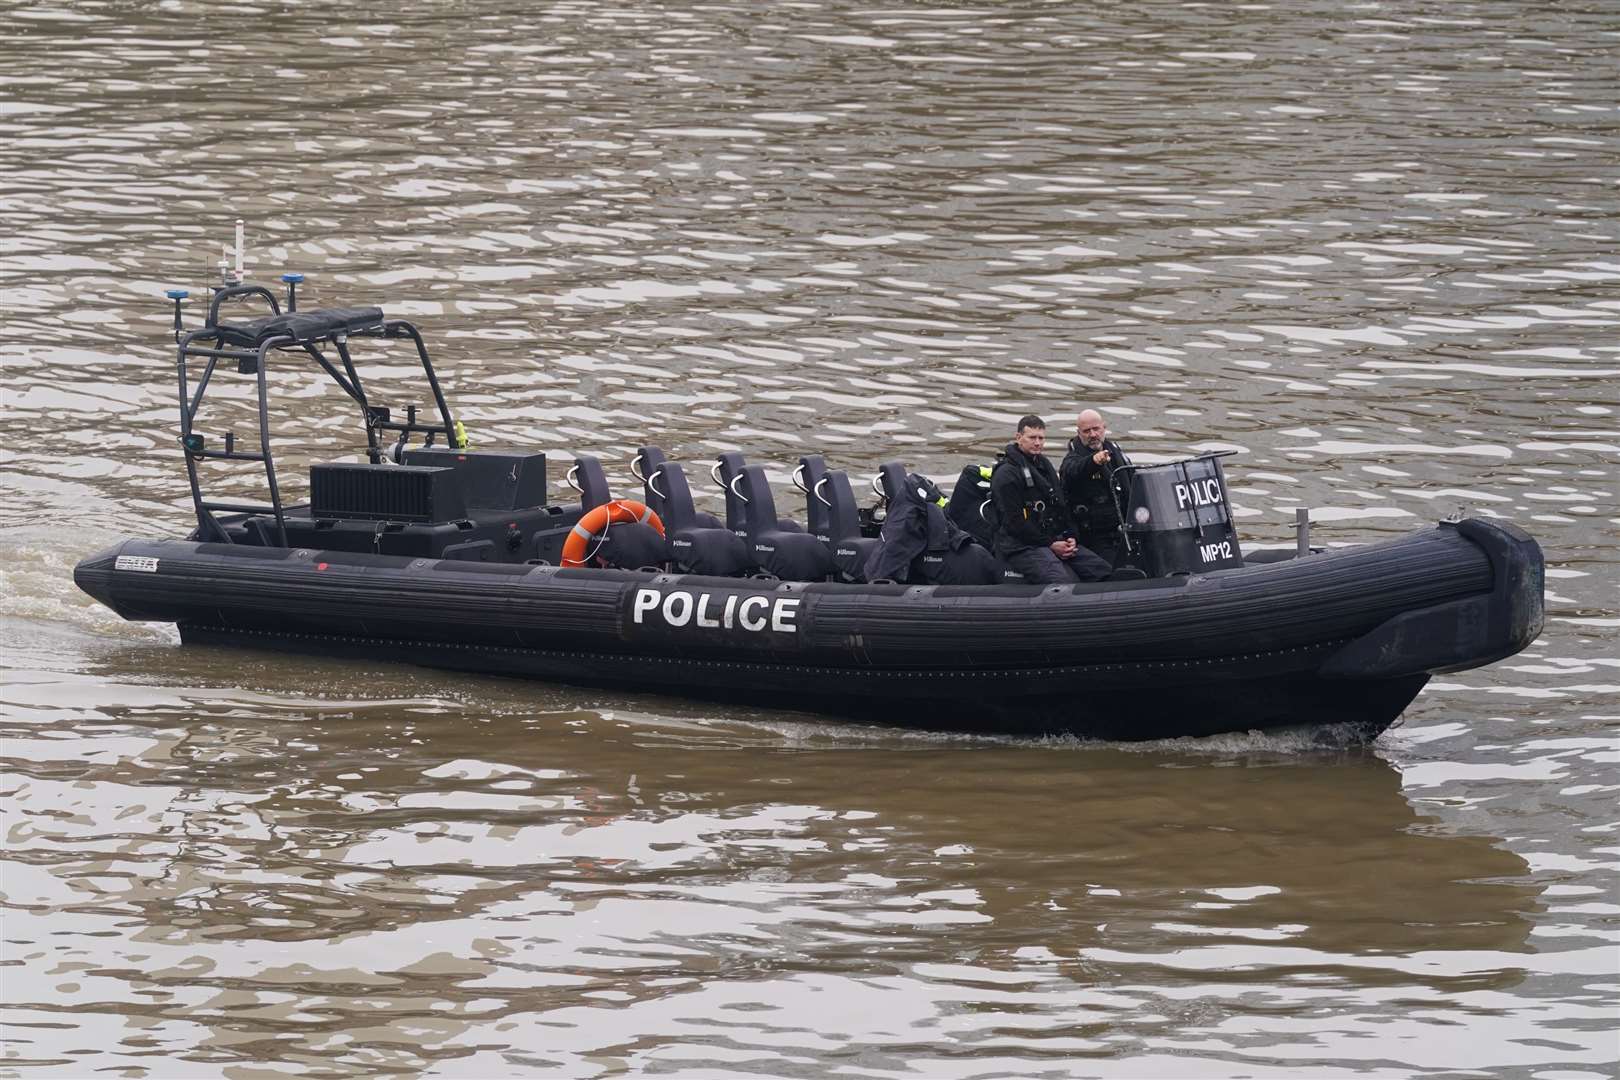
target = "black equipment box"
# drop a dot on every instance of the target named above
(1177, 518)
(420, 510)
(405, 493)
(489, 479)
(509, 537)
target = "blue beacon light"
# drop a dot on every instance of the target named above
(177, 295)
(292, 281)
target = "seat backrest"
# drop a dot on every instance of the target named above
(669, 486)
(759, 505)
(648, 460)
(968, 501)
(843, 517)
(728, 466)
(587, 475)
(812, 468)
(892, 479)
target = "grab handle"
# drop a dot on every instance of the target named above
(240, 290)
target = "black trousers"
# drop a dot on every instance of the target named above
(1040, 566)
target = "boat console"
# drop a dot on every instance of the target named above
(1176, 516)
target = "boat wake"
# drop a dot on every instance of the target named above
(817, 732)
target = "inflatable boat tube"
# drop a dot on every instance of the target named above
(1348, 637)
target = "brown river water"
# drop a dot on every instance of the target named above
(1372, 247)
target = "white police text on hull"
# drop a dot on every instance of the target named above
(751, 613)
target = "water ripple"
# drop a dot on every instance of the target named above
(1369, 249)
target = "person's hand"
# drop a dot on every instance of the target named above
(1064, 549)
(1101, 457)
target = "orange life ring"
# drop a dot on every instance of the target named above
(617, 512)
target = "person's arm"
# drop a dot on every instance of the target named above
(1118, 485)
(1069, 475)
(1064, 546)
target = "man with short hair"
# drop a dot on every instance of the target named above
(1034, 534)
(1088, 485)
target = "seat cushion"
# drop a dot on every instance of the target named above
(792, 556)
(849, 556)
(301, 325)
(712, 552)
(633, 546)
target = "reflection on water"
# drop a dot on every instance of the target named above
(407, 881)
(1369, 247)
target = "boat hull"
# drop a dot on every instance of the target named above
(1127, 702)
(1345, 639)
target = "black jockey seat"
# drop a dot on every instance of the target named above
(967, 503)
(891, 481)
(647, 462)
(850, 549)
(812, 468)
(891, 557)
(586, 477)
(919, 545)
(727, 467)
(629, 545)
(791, 556)
(693, 548)
(970, 509)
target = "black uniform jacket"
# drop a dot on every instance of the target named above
(1028, 500)
(920, 545)
(1087, 487)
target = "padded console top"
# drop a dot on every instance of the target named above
(301, 325)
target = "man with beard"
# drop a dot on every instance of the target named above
(1034, 533)
(1088, 485)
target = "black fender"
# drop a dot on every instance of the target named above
(1482, 629)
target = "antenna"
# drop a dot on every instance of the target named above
(229, 274)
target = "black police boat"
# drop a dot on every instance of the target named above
(430, 552)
